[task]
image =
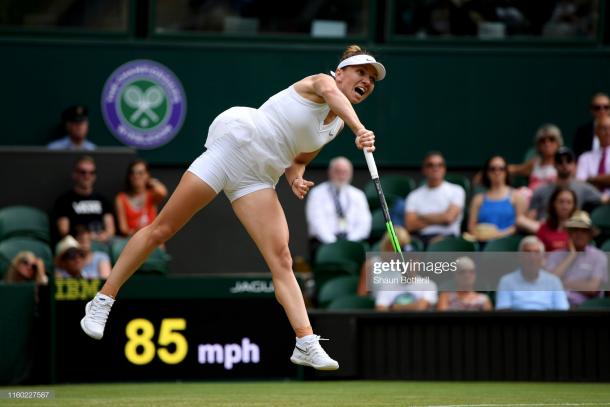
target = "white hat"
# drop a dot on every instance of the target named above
(363, 59)
(66, 244)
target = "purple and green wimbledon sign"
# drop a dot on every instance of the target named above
(143, 104)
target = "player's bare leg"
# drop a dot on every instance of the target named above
(191, 195)
(263, 217)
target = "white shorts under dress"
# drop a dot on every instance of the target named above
(232, 163)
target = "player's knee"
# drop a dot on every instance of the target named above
(160, 233)
(283, 258)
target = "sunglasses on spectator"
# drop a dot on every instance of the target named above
(73, 254)
(435, 165)
(497, 168)
(546, 138)
(27, 263)
(81, 171)
(564, 160)
(597, 108)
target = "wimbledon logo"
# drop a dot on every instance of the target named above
(143, 104)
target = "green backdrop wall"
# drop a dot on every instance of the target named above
(466, 102)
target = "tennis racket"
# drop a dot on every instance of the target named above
(370, 162)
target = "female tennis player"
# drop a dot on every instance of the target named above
(247, 152)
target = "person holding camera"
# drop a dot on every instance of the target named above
(25, 266)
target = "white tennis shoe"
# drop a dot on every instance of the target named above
(96, 315)
(310, 353)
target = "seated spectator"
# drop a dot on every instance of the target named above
(76, 125)
(435, 209)
(83, 206)
(541, 169)
(417, 294)
(136, 206)
(96, 263)
(587, 196)
(552, 231)
(584, 139)
(25, 266)
(337, 210)
(530, 287)
(493, 213)
(582, 267)
(570, 18)
(464, 298)
(594, 166)
(385, 246)
(69, 258)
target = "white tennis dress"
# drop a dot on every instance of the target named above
(249, 149)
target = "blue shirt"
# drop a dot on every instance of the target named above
(66, 144)
(497, 212)
(544, 293)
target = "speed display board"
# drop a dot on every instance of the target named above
(176, 339)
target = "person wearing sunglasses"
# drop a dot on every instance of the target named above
(435, 209)
(69, 259)
(83, 206)
(587, 196)
(25, 266)
(494, 213)
(594, 166)
(540, 169)
(584, 138)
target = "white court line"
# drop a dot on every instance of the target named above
(520, 405)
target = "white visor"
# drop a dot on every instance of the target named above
(364, 60)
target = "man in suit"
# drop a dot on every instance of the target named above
(584, 139)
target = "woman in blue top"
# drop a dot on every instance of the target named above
(493, 214)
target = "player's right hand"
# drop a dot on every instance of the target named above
(365, 139)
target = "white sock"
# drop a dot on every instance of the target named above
(305, 339)
(105, 297)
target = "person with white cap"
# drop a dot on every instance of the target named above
(69, 259)
(582, 268)
(248, 150)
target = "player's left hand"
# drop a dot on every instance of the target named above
(300, 187)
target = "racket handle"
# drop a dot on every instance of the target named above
(370, 162)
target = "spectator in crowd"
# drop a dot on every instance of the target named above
(552, 231)
(435, 209)
(540, 169)
(493, 213)
(76, 124)
(96, 263)
(584, 139)
(569, 19)
(594, 165)
(582, 267)
(530, 287)
(464, 298)
(83, 206)
(335, 209)
(136, 206)
(385, 246)
(25, 266)
(405, 292)
(587, 196)
(69, 258)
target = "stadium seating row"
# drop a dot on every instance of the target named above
(26, 228)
